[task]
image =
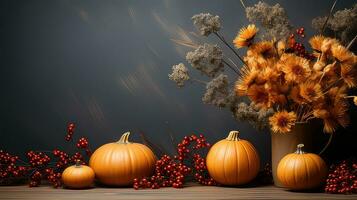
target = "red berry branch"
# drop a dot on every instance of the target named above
(42, 165)
(171, 172)
(297, 47)
(342, 178)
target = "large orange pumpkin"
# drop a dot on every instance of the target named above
(300, 170)
(78, 176)
(118, 163)
(233, 161)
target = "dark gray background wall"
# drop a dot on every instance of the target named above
(104, 65)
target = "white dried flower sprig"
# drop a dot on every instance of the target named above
(272, 18)
(179, 74)
(253, 115)
(343, 24)
(208, 59)
(217, 91)
(206, 23)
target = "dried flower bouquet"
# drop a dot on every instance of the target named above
(283, 81)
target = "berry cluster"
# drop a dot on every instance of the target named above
(83, 144)
(35, 179)
(77, 157)
(168, 173)
(62, 158)
(70, 131)
(183, 148)
(342, 178)
(49, 174)
(201, 175)
(53, 177)
(8, 167)
(171, 172)
(301, 32)
(297, 47)
(38, 159)
(40, 165)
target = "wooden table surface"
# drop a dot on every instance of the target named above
(191, 192)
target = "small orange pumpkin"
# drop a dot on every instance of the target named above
(118, 163)
(301, 171)
(233, 161)
(78, 176)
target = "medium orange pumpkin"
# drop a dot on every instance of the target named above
(233, 161)
(118, 163)
(78, 176)
(301, 171)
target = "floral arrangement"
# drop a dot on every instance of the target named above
(284, 82)
(298, 89)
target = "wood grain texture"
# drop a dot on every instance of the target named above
(191, 192)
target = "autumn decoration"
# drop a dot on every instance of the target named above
(233, 161)
(301, 170)
(78, 176)
(118, 163)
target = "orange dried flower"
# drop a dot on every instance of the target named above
(337, 116)
(248, 78)
(295, 95)
(327, 44)
(310, 91)
(283, 121)
(342, 54)
(245, 36)
(262, 50)
(259, 95)
(349, 75)
(316, 42)
(296, 69)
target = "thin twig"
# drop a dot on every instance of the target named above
(330, 86)
(328, 17)
(352, 41)
(242, 2)
(230, 60)
(309, 114)
(232, 68)
(229, 46)
(322, 76)
(298, 111)
(185, 43)
(172, 135)
(150, 144)
(327, 144)
(199, 81)
(310, 118)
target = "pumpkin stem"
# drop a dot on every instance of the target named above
(78, 163)
(299, 149)
(233, 136)
(124, 139)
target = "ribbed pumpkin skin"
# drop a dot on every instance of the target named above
(118, 164)
(233, 162)
(302, 171)
(80, 176)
